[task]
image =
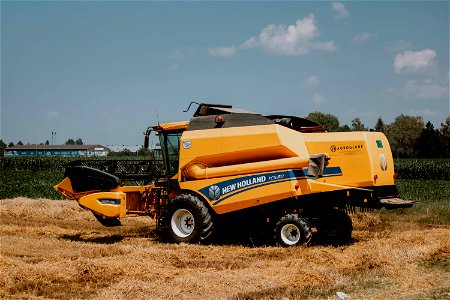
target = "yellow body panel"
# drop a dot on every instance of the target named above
(358, 155)
(108, 204)
(115, 203)
(231, 193)
(239, 145)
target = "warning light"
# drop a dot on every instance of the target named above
(365, 200)
(375, 177)
(395, 175)
(296, 186)
(219, 119)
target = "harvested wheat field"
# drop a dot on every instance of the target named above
(56, 250)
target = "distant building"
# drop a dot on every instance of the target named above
(118, 148)
(57, 150)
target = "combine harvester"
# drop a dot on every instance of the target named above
(228, 167)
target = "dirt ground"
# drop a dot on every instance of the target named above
(55, 250)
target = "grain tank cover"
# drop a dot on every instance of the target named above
(205, 117)
(296, 123)
(227, 121)
(205, 109)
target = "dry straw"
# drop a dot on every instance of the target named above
(56, 250)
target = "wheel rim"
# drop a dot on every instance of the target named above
(182, 223)
(290, 234)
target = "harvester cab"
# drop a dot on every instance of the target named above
(283, 174)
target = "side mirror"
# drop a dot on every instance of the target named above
(147, 137)
(316, 165)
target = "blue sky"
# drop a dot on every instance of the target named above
(103, 70)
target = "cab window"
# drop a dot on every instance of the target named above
(171, 151)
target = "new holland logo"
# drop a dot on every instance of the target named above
(383, 162)
(214, 192)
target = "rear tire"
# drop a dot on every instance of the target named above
(335, 228)
(188, 220)
(292, 230)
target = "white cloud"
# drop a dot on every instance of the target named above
(340, 9)
(328, 46)
(425, 89)
(52, 114)
(222, 51)
(311, 82)
(295, 39)
(414, 62)
(400, 45)
(363, 37)
(318, 99)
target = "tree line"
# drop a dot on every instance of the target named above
(408, 136)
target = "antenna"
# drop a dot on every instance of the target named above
(190, 106)
(157, 116)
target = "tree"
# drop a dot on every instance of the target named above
(143, 152)
(11, 144)
(2, 148)
(403, 133)
(344, 128)
(70, 142)
(379, 126)
(79, 141)
(47, 143)
(330, 122)
(357, 125)
(428, 144)
(20, 143)
(125, 152)
(445, 136)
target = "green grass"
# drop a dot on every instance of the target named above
(432, 200)
(31, 184)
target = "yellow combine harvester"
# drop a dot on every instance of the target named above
(280, 174)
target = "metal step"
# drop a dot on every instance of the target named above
(393, 203)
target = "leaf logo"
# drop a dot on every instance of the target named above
(383, 162)
(214, 192)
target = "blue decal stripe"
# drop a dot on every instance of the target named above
(298, 174)
(251, 188)
(265, 184)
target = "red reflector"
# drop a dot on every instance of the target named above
(395, 175)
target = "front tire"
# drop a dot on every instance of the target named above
(292, 230)
(188, 220)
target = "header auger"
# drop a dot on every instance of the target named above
(282, 175)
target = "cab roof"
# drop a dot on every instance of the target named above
(174, 126)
